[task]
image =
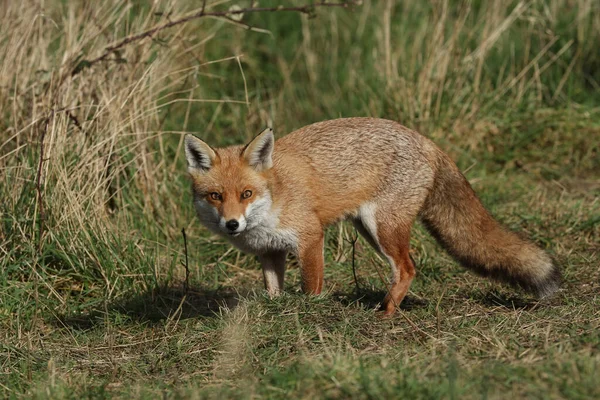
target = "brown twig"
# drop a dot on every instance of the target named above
(354, 240)
(187, 269)
(38, 183)
(353, 243)
(305, 9)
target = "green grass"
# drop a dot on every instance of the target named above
(93, 302)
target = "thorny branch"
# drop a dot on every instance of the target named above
(304, 9)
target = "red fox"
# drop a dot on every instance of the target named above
(274, 197)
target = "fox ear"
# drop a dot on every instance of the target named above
(258, 153)
(200, 156)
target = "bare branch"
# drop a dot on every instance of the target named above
(305, 9)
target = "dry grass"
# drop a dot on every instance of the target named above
(94, 197)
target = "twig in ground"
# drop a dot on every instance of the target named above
(38, 182)
(187, 269)
(354, 240)
(353, 243)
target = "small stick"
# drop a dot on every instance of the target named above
(354, 240)
(38, 184)
(187, 269)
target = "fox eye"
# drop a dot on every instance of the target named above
(246, 194)
(215, 196)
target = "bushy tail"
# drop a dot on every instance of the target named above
(458, 220)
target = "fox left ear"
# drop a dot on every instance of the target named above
(258, 153)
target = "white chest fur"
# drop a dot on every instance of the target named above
(264, 238)
(262, 233)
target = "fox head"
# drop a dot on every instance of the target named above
(231, 185)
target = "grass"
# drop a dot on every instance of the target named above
(94, 198)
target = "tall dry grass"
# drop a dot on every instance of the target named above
(83, 146)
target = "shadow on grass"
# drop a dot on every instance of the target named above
(166, 303)
(157, 305)
(495, 298)
(370, 298)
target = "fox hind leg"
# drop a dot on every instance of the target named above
(395, 245)
(389, 234)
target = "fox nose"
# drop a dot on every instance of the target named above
(232, 224)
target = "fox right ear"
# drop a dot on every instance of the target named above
(200, 156)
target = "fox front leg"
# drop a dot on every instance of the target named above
(273, 266)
